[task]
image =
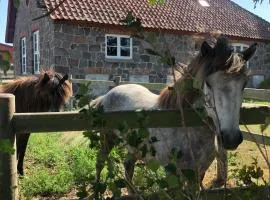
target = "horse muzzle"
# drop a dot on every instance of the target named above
(231, 139)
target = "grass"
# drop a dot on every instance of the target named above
(55, 165)
(257, 102)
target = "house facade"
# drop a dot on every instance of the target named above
(88, 40)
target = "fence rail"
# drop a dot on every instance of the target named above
(249, 93)
(11, 123)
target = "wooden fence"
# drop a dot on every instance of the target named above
(12, 123)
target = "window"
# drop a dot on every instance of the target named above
(238, 47)
(23, 55)
(36, 54)
(118, 47)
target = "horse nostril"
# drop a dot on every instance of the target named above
(231, 140)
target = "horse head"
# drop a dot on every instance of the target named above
(53, 90)
(224, 79)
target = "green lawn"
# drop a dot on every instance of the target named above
(55, 164)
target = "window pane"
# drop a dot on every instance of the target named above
(111, 51)
(111, 41)
(125, 42)
(125, 52)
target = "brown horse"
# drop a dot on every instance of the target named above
(49, 91)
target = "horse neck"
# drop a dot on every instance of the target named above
(182, 94)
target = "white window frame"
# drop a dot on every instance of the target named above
(36, 52)
(23, 55)
(119, 47)
(242, 46)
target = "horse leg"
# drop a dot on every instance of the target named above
(107, 142)
(22, 140)
(129, 165)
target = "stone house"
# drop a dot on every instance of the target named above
(87, 39)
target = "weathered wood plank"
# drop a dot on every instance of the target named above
(8, 164)
(73, 121)
(258, 94)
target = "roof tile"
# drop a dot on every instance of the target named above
(179, 15)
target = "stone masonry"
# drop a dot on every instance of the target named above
(80, 50)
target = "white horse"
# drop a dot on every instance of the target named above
(222, 75)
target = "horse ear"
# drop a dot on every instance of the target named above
(248, 53)
(63, 79)
(45, 79)
(206, 49)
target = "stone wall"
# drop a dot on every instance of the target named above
(25, 27)
(80, 50)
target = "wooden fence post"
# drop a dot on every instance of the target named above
(8, 166)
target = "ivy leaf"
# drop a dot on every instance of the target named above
(171, 168)
(172, 180)
(153, 165)
(162, 183)
(189, 174)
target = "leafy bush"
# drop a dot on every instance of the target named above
(265, 84)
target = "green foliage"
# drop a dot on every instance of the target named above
(265, 84)
(247, 175)
(42, 182)
(6, 147)
(82, 96)
(4, 66)
(53, 167)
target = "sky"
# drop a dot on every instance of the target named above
(262, 10)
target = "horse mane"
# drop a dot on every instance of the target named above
(33, 95)
(183, 93)
(170, 97)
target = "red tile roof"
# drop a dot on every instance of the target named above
(177, 15)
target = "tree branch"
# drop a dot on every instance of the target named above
(50, 11)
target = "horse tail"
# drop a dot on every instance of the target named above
(96, 103)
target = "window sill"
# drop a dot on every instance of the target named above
(119, 60)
